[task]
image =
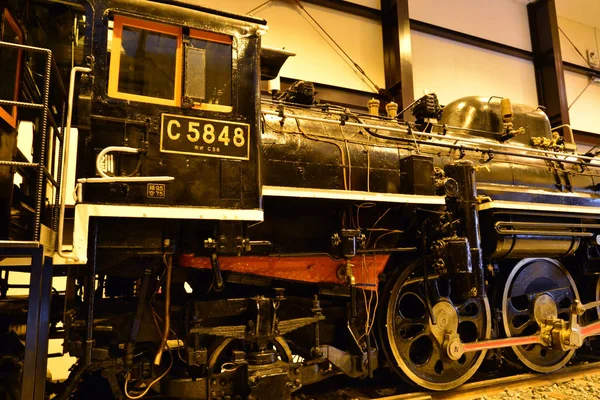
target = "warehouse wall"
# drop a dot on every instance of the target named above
(450, 69)
(317, 59)
(503, 21)
(584, 37)
(453, 70)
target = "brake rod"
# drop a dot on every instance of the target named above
(590, 329)
(500, 343)
(456, 348)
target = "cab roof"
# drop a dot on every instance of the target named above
(192, 6)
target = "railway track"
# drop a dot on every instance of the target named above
(506, 387)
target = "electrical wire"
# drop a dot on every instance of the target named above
(370, 318)
(168, 261)
(362, 205)
(575, 47)
(367, 302)
(258, 7)
(408, 107)
(392, 231)
(145, 392)
(349, 159)
(127, 377)
(157, 318)
(330, 142)
(375, 224)
(356, 66)
(386, 145)
(368, 150)
(582, 92)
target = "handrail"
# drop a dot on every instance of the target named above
(569, 138)
(443, 138)
(107, 178)
(66, 143)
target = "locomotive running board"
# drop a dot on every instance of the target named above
(83, 212)
(522, 206)
(336, 194)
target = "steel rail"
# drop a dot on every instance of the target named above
(498, 385)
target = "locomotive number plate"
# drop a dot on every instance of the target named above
(180, 134)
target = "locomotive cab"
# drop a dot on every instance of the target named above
(167, 117)
(171, 94)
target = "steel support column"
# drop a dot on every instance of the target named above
(547, 60)
(38, 325)
(397, 52)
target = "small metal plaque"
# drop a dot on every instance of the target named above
(156, 190)
(204, 137)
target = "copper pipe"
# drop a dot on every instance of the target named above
(167, 328)
(567, 134)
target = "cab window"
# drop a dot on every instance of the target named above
(208, 70)
(149, 62)
(145, 61)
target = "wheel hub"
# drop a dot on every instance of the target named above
(537, 291)
(446, 320)
(416, 347)
(544, 309)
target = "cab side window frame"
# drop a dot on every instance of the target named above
(115, 59)
(221, 39)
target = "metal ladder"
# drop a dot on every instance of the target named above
(39, 247)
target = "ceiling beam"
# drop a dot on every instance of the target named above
(470, 40)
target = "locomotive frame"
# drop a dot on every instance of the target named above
(339, 243)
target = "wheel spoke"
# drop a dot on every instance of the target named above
(536, 288)
(512, 311)
(402, 343)
(408, 330)
(562, 295)
(415, 343)
(517, 331)
(435, 293)
(564, 311)
(479, 327)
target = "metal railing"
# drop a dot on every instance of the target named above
(41, 158)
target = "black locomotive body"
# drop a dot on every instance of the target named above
(185, 90)
(226, 246)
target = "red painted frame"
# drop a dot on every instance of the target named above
(11, 118)
(313, 269)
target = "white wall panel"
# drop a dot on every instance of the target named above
(453, 70)
(577, 20)
(502, 21)
(583, 37)
(583, 11)
(367, 3)
(316, 58)
(584, 111)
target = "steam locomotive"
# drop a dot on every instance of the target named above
(228, 246)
